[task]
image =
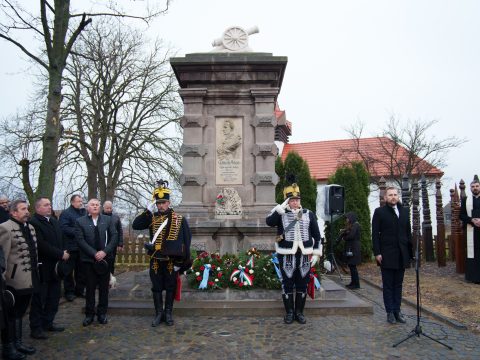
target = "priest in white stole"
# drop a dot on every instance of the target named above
(470, 215)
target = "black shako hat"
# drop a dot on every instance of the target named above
(63, 269)
(8, 300)
(161, 193)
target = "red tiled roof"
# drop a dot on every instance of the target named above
(323, 157)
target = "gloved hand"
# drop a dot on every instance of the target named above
(152, 207)
(148, 246)
(280, 209)
(314, 260)
(327, 265)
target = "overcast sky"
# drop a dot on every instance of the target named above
(347, 61)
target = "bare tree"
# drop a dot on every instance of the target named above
(408, 148)
(57, 27)
(121, 111)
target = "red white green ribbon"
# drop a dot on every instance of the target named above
(251, 262)
(242, 276)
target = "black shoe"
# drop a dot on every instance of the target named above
(102, 319)
(38, 334)
(399, 317)
(70, 297)
(391, 318)
(353, 287)
(55, 328)
(88, 320)
(21, 347)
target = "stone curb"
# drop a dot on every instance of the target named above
(444, 319)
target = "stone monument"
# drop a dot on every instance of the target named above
(228, 175)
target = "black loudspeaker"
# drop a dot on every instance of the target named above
(334, 199)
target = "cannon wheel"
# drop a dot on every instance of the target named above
(235, 38)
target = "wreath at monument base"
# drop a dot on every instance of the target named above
(249, 270)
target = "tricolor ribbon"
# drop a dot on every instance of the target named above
(276, 264)
(312, 285)
(206, 273)
(242, 276)
(251, 262)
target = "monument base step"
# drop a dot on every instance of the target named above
(133, 297)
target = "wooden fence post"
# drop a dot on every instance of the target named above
(416, 221)
(427, 223)
(459, 244)
(440, 239)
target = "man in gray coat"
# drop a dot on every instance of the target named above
(18, 245)
(97, 238)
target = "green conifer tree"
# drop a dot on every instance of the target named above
(355, 179)
(296, 165)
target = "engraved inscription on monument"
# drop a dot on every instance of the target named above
(228, 160)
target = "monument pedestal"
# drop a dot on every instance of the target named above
(228, 144)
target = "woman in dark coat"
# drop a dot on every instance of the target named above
(353, 254)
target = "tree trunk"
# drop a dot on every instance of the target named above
(48, 165)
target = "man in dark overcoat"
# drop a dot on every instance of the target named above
(74, 282)
(470, 216)
(4, 211)
(108, 211)
(353, 250)
(392, 247)
(97, 238)
(51, 249)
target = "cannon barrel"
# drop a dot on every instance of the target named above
(250, 31)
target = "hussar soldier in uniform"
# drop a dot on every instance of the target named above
(169, 249)
(298, 247)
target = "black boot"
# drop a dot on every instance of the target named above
(288, 303)
(159, 314)
(300, 299)
(169, 297)
(29, 350)
(10, 352)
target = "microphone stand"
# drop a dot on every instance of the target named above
(417, 331)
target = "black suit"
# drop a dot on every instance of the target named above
(392, 238)
(50, 245)
(118, 225)
(89, 244)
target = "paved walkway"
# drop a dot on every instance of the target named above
(328, 337)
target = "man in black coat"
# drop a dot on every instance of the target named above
(4, 211)
(108, 210)
(353, 250)
(51, 249)
(392, 247)
(74, 283)
(97, 238)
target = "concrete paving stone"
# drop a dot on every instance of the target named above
(323, 337)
